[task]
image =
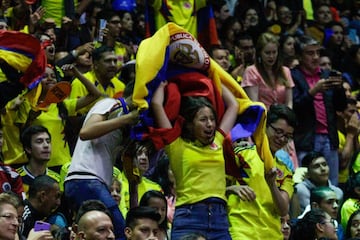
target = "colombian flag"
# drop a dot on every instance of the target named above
(174, 55)
(23, 52)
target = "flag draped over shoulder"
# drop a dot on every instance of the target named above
(23, 52)
(173, 55)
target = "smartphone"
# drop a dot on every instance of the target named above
(102, 25)
(41, 226)
(334, 73)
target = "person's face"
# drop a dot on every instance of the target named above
(97, 226)
(285, 15)
(145, 229)
(324, 15)
(330, 204)
(106, 67)
(251, 18)
(8, 222)
(233, 31)
(246, 46)
(40, 147)
(51, 33)
(355, 226)
(84, 59)
(318, 171)
(310, 58)
(325, 63)
(142, 159)
(349, 111)
(285, 226)
(49, 79)
(160, 206)
(347, 89)
(52, 200)
(329, 229)
(204, 125)
(115, 190)
(279, 133)
(269, 54)
(289, 46)
(224, 12)
(50, 52)
(338, 35)
(127, 22)
(221, 56)
(114, 26)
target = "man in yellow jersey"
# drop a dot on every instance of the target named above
(36, 142)
(259, 198)
(102, 76)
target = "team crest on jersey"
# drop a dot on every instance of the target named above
(214, 146)
(279, 173)
(187, 5)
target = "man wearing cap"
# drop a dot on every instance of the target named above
(257, 199)
(316, 98)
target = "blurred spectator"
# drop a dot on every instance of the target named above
(44, 199)
(221, 56)
(322, 17)
(36, 142)
(268, 81)
(315, 93)
(317, 175)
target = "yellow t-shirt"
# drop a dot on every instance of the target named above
(183, 13)
(344, 173)
(261, 213)
(199, 171)
(144, 186)
(12, 147)
(349, 206)
(79, 90)
(55, 9)
(60, 152)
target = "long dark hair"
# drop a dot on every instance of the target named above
(348, 226)
(189, 107)
(305, 228)
(144, 201)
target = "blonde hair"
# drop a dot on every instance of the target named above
(277, 68)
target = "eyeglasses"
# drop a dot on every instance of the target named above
(10, 218)
(333, 222)
(280, 133)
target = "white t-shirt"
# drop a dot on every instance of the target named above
(94, 159)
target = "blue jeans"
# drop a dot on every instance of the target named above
(208, 217)
(322, 145)
(79, 190)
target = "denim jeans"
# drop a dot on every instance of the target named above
(322, 145)
(208, 217)
(79, 190)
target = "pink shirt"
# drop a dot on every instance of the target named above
(319, 105)
(267, 94)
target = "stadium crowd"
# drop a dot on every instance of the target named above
(179, 119)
